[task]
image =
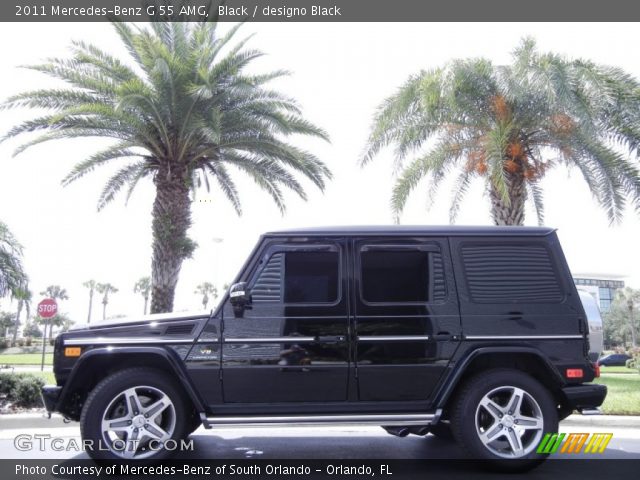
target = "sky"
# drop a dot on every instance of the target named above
(340, 73)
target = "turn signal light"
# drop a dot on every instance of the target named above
(574, 373)
(597, 369)
(72, 351)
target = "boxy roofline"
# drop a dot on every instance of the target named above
(391, 230)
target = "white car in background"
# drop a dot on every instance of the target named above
(595, 324)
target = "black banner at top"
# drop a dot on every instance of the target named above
(319, 10)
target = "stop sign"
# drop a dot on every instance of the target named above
(47, 308)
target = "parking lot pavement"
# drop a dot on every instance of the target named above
(298, 443)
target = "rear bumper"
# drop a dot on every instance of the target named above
(50, 395)
(585, 397)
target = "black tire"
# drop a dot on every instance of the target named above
(107, 399)
(442, 430)
(502, 427)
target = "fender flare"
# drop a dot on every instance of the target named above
(453, 378)
(167, 360)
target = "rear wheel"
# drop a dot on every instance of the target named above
(134, 414)
(501, 416)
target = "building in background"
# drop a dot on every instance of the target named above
(602, 287)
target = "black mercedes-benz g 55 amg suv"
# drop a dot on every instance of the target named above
(473, 332)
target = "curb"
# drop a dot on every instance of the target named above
(40, 420)
(602, 421)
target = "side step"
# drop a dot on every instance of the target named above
(411, 419)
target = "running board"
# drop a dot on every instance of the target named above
(411, 419)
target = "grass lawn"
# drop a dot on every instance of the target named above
(623, 397)
(25, 359)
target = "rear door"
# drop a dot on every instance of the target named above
(406, 317)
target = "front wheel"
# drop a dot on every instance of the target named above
(133, 414)
(501, 416)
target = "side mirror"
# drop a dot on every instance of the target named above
(240, 298)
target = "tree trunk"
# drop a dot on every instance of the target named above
(146, 303)
(171, 245)
(104, 311)
(509, 212)
(17, 326)
(633, 328)
(90, 305)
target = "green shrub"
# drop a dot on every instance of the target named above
(21, 342)
(26, 392)
(7, 383)
(28, 341)
(23, 389)
(3, 343)
(631, 363)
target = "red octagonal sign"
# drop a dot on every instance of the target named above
(47, 308)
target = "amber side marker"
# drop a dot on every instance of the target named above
(72, 351)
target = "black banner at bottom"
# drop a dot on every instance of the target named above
(313, 469)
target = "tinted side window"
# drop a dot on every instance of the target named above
(311, 277)
(402, 276)
(298, 277)
(510, 273)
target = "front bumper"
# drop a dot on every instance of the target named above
(588, 396)
(50, 395)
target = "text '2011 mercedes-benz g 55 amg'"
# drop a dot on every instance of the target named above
(473, 332)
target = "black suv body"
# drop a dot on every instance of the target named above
(474, 332)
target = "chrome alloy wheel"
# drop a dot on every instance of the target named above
(138, 421)
(509, 422)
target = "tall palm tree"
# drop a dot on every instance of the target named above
(183, 112)
(510, 124)
(23, 295)
(205, 289)
(143, 287)
(57, 293)
(12, 274)
(91, 285)
(105, 289)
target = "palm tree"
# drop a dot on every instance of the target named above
(183, 112)
(57, 293)
(510, 124)
(105, 289)
(58, 320)
(12, 275)
(91, 285)
(143, 287)
(628, 298)
(23, 295)
(205, 289)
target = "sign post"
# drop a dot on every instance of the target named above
(47, 308)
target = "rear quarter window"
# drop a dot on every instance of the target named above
(510, 273)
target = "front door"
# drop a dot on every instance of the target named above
(292, 344)
(407, 319)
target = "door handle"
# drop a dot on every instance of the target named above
(330, 338)
(442, 336)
